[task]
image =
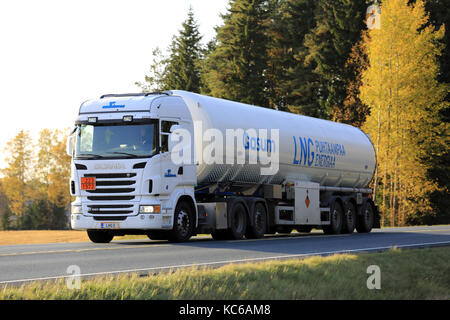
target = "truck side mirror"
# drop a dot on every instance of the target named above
(69, 145)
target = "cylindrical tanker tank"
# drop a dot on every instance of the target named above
(308, 149)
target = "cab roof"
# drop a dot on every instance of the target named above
(128, 102)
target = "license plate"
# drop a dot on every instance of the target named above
(109, 225)
(88, 183)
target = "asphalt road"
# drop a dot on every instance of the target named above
(21, 263)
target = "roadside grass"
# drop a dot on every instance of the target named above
(405, 274)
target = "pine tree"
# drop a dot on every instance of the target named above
(180, 69)
(291, 84)
(183, 69)
(235, 69)
(404, 98)
(338, 27)
(154, 81)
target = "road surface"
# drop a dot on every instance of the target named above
(21, 263)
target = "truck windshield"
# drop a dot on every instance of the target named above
(116, 141)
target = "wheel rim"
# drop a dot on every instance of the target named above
(183, 223)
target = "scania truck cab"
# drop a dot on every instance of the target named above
(122, 177)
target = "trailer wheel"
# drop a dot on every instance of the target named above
(183, 224)
(258, 228)
(238, 222)
(336, 218)
(100, 236)
(365, 218)
(349, 222)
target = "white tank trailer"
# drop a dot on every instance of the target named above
(174, 164)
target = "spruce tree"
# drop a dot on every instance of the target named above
(180, 69)
(183, 69)
(338, 27)
(235, 69)
(291, 84)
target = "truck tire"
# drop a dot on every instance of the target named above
(258, 228)
(365, 219)
(183, 223)
(336, 219)
(238, 221)
(349, 223)
(100, 236)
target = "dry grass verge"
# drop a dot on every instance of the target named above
(405, 274)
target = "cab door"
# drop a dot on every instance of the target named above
(171, 174)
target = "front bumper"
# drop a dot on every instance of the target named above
(138, 222)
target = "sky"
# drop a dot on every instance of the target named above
(56, 54)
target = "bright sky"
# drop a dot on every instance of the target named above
(56, 54)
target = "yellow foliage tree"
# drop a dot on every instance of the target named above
(17, 172)
(59, 171)
(52, 169)
(404, 98)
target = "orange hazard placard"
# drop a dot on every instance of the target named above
(88, 183)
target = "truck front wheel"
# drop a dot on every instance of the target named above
(183, 224)
(100, 236)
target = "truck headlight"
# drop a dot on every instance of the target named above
(150, 209)
(76, 209)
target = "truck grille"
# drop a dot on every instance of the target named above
(111, 188)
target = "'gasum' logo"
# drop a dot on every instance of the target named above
(250, 146)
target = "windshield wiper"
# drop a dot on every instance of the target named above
(126, 153)
(91, 155)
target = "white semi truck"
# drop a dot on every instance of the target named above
(175, 164)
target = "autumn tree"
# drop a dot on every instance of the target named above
(17, 174)
(59, 171)
(352, 110)
(439, 159)
(401, 89)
